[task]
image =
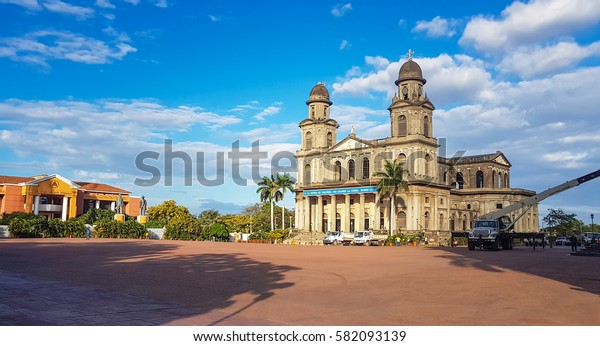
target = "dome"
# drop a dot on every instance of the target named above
(319, 93)
(410, 70)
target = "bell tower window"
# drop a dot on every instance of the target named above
(351, 169)
(308, 141)
(402, 126)
(329, 139)
(426, 127)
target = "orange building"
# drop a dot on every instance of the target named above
(57, 197)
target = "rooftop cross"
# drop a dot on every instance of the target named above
(410, 54)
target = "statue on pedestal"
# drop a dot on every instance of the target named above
(143, 206)
(119, 205)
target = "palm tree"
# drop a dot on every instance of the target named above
(284, 182)
(392, 180)
(268, 191)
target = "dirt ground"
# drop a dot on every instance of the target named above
(149, 282)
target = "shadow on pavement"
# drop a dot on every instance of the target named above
(551, 263)
(128, 283)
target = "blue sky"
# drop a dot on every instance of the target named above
(88, 85)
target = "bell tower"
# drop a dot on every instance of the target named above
(319, 131)
(411, 111)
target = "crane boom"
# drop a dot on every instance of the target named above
(530, 201)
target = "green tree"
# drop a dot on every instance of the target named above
(165, 212)
(207, 217)
(269, 191)
(219, 231)
(284, 182)
(258, 214)
(562, 223)
(391, 181)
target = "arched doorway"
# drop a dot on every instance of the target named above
(351, 222)
(401, 221)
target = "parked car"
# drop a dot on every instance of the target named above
(335, 238)
(562, 241)
(591, 237)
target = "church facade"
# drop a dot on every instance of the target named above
(336, 187)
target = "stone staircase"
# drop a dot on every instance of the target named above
(305, 238)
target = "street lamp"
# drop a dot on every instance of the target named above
(592, 216)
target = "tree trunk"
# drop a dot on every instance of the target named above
(392, 212)
(272, 216)
(282, 215)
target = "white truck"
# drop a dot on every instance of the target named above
(367, 238)
(338, 238)
(496, 230)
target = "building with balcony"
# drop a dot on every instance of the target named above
(55, 196)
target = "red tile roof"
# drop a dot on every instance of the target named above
(9, 179)
(100, 187)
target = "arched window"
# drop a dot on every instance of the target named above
(479, 179)
(381, 221)
(426, 127)
(464, 222)
(338, 171)
(401, 220)
(338, 222)
(402, 126)
(351, 222)
(445, 177)
(306, 174)
(500, 180)
(427, 164)
(325, 112)
(367, 225)
(426, 222)
(506, 180)
(402, 160)
(329, 139)
(312, 111)
(460, 181)
(308, 140)
(365, 167)
(452, 222)
(494, 179)
(351, 170)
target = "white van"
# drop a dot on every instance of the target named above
(589, 237)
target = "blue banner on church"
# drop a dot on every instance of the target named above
(342, 191)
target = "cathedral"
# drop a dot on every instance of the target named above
(336, 187)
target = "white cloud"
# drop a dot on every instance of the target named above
(214, 18)
(340, 10)
(533, 60)
(105, 4)
(569, 159)
(121, 36)
(133, 2)
(28, 4)
(58, 6)
(269, 111)
(437, 27)
(101, 136)
(161, 3)
(345, 45)
(533, 22)
(450, 79)
(40, 46)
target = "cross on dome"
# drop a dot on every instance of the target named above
(410, 54)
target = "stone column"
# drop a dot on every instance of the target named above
(307, 214)
(319, 215)
(65, 208)
(298, 214)
(98, 204)
(36, 205)
(333, 217)
(376, 225)
(361, 214)
(346, 216)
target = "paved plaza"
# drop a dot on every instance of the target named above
(146, 282)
